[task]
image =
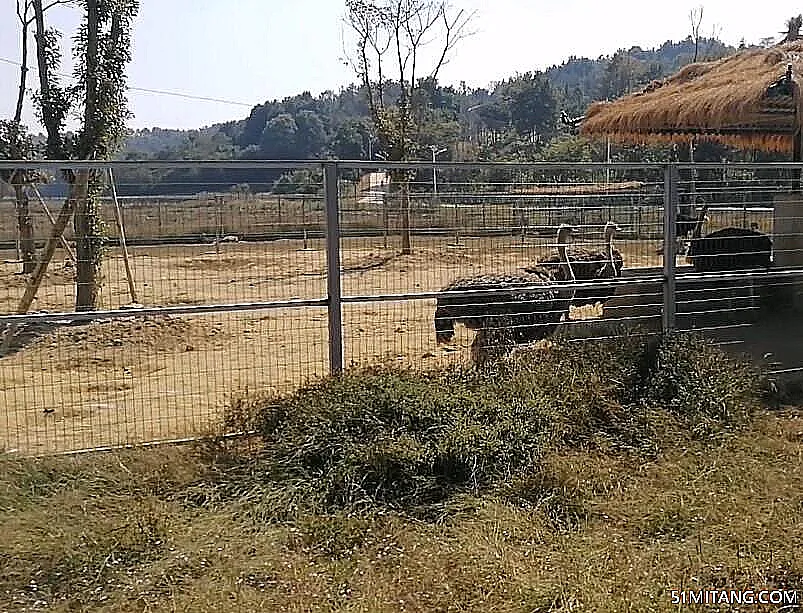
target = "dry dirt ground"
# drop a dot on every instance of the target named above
(141, 379)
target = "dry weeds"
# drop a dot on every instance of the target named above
(115, 532)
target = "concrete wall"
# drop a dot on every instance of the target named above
(788, 231)
(788, 243)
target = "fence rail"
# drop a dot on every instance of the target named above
(214, 285)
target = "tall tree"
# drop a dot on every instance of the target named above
(102, 50)
(533, 105)
(310, 135)
(279, 138)
(391, 40)
(351, 140)
(696, 20)
(15, 143)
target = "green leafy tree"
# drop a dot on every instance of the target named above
(101, 50)
(278, 140)
(352, 140)
(299, 182)
(311, 137)
(533, 106)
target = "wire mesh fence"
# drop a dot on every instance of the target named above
(218, 279)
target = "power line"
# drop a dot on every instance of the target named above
(147, 90)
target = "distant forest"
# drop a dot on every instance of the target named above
(517, 119)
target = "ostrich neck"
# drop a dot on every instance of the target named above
(698, 227)
(567, 265)
(611, 261)
(567, 268)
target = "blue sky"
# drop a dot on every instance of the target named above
(250, 51)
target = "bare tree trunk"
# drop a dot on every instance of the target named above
(76, 194)
(38, 275)
(24, 222)
(88, 244)
(23, 15)
(27, 244)
(87, 224)
(25, 229)
(48, 119)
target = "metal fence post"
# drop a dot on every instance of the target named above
(671, 202)
(333, 268)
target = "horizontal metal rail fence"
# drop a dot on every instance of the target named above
(225, 279)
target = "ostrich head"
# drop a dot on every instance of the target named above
(611, 228)
(565, 233)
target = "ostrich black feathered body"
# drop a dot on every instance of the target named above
(587, 265)
(529, 305)
(730, 249)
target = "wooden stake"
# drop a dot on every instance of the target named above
(121, 231)
(64, 242)
(77, 191)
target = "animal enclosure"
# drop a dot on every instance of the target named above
(235, 291)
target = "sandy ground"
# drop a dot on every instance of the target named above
(141, 379)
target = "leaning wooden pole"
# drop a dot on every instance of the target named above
(77, 190)
(46, 209)
(121, 232)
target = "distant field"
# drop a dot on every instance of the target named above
(126, 381)
(267, 215)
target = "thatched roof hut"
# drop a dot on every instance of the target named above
(748, 100)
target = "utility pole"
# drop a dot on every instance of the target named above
(435, 152)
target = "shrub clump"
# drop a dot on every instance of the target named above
(405, 438)
(695, 380)
(395, 436)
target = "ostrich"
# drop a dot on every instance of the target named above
(528, 306)
(587, 266)
(730, 249)
(685, 224)
(687, 228)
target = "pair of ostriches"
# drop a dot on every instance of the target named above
(510, 310)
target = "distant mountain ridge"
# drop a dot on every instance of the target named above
(515, 119)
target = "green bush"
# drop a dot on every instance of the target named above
(405, 438)
(698, 382)
(395, 436)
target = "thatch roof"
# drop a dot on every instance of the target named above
(746, 100)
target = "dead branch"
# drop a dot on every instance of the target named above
(455, 31)
(696, 19)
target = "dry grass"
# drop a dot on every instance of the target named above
(723, 95)
(582, 188)
(157, 218)
(121, 532)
